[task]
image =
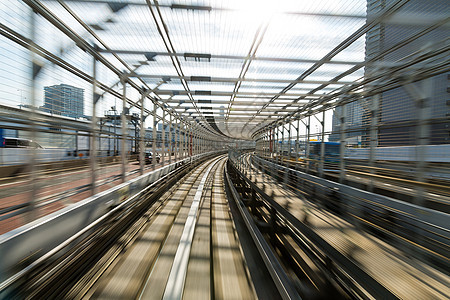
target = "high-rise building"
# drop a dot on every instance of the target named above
(399, 113)
(398, 40)
(353, 123)
(65, 100)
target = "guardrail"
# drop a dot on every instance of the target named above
(335, 262)
(279, 276)
(424, 231)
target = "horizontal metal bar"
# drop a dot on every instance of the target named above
(228, 94)
(233, 80)
(214, 56)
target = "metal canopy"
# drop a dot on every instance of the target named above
(252, 61)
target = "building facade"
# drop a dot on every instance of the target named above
(65, 100)
(400, 112)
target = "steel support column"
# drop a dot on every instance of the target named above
(123, 152)
(142, 136)
(93, 140)
(342, 133)
(297, 142)
(33, 182)
(374, 116)
(307, 144)
(322, 146)
(170, 138)
(163, 139)
(154, 137)
(421, 97)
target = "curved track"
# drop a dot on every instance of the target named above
(187, 249)
(392, 268)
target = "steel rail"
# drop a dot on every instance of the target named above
(165, 182)
(359, 275)
(279, 276)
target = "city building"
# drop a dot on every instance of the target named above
(65, 100)
(353, 124)
(398, 114)
(399, 111)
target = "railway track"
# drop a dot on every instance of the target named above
(189, 249)
(204, 232)
(75, 264)
(334, 243)
(181, 244)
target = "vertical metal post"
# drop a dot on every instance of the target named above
(183, 141)
(307, 143)
(187, 136)
(176, 139)
(263, 140)
(180, 140)
(76, 142)
(281, 136)
(170, 138)
(194, 143)
(277, 144)
(191, 141)
(202, 144)
(322, 146)
(33, 177)
(154, 137)
(192, 136)
(286, 159)
(373, 137)
(199, 143)
(261, 150)
(124, 122)
(261, 144)
(274, 148)
(342, 128)
(289, 139)
(258, 145)
(274, 142)
(282, 144)
(93, 144)
(297, 145)
(163, 138)
(142, 136)
(421, 98)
